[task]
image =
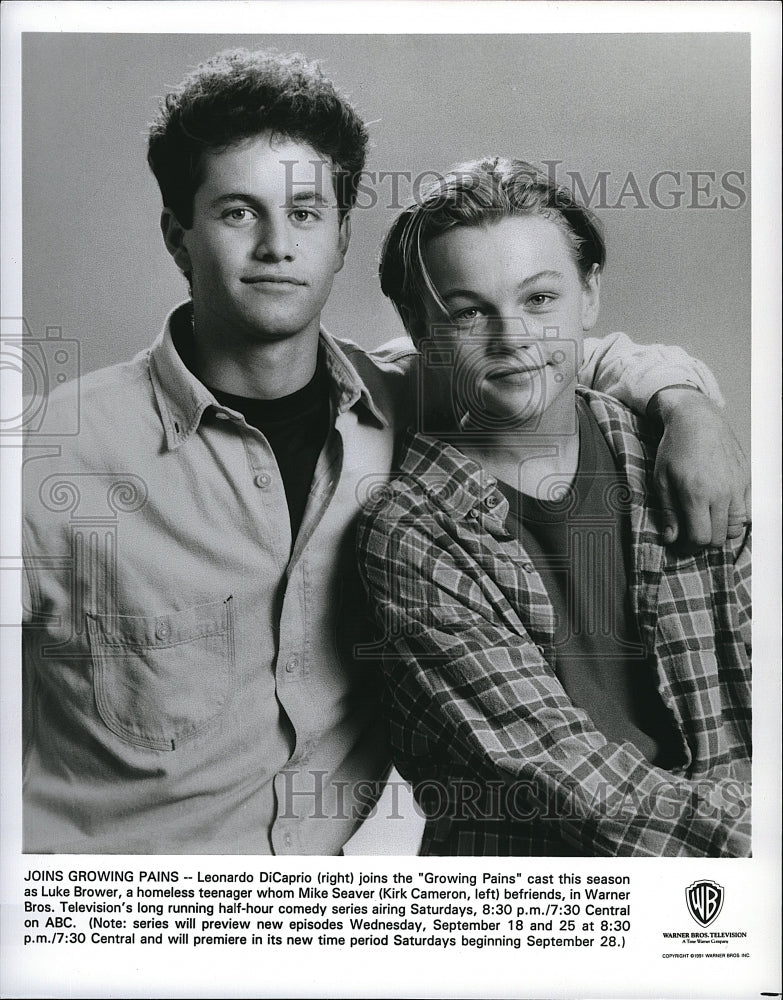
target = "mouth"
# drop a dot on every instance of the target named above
(514, 372)
(272, 279)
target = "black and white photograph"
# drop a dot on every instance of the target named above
(377, 514)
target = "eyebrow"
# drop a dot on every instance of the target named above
(300, 197)
(467, 293)
(553, 275)
(309, 196)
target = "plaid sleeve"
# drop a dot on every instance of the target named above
(469, 690)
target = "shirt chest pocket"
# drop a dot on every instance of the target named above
(161, 680)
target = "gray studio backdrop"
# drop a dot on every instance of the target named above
(672, 111)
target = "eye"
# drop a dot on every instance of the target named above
(304, 215)
(541, 299)
(239, 215)
(467, 316)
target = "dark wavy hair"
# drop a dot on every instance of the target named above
(476, 194)
(238, 94)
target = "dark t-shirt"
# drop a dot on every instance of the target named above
(580, 543)
(295, 427)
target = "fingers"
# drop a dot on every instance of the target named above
(719, 522)
(701, 478)
(690, 519)
(687, 517)
(696, 529)
(735, 527)
(667, 505)
(739, 514)
(671, 531)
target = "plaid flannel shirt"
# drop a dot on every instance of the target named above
(500, 759)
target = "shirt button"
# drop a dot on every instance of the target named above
(292, 664)
(162, 629)
(491, 501)
(287, 839)
(219, 415)
(473, 512)
(527, 567)
(262, 480)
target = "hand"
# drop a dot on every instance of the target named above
(701, 473)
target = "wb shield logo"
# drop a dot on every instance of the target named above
(705, 901)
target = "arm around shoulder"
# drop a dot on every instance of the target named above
(634, 373)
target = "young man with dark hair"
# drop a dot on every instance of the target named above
(189, 668)
(557, 682)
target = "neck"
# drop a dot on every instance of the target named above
(529, 457)
(244, 366)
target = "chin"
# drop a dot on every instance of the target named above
(514, 412)
(267, 328)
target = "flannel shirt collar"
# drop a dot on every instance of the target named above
(456, 484)
(462, 488)
(183, 399)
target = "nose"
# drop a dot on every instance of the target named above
(508, 333)
(275, 242)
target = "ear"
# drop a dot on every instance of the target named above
(591, 295)
(173, 237)
(343, 239)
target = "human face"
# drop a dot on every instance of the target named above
(265, 244)
(517, 309)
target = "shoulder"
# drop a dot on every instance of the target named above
(402, 510)
(612, 415)
(106, 405)
(389, 373)
(397, 509)
(390, 363)
(103, 383)
(632, 439)
(394, 355)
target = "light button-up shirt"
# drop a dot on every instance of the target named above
(189, 682)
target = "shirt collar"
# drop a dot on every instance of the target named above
(183, 399)
(463, 488)
(465, 491)
(349, 385)
(459, 486)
